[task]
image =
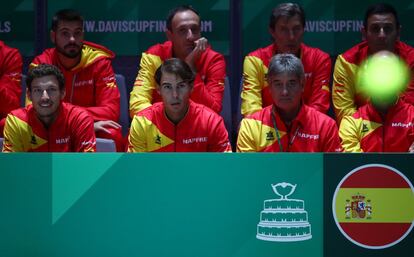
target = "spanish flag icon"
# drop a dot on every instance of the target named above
(373, 206)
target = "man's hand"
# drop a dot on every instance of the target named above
(200, 46)
(411, 149)
(103, 124)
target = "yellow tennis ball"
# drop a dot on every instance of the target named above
(383, 76)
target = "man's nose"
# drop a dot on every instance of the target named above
(72, 38)
(381, 32)
(285, 90)
(190, 34)
(175, 92)
(45, 95)
(291, 34)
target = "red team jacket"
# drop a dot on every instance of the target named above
(72, 131)
(347, 96)
(367, 131)
(201, 130)
(10, 79)
(256, 94)
(91, 84)
(311, 131)
(208, 84)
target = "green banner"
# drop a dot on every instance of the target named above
(161, 205)
(17, 25)
(130, 27)
(333, 26)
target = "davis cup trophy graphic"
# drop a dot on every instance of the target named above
(283, 219)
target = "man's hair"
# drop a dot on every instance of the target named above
(287, 10)
(177, 67)
(43, 70)
(381, 8)
(285, 63)
(66, 15)
(181, 8)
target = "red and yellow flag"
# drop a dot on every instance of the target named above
(373, 206)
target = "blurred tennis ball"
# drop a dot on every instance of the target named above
(383, 76)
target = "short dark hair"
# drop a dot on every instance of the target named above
(286, 10)
(181, 8)
(381, 8)
(285, 63)
(177, 67)
(43, 70)
(66, 15)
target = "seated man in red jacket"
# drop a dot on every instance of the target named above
(177, 124)
(186, 43)
(87, 67)
(286, 26)
(385, 123)
(10, 76)
(381, 31)
(48, 124)
(287, 125)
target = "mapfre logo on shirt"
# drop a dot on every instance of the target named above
(60, 141)
(82, 83)
(402, 125)
(195, 140)
(308, 136)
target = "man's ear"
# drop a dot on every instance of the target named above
(303, 82)
(52, 35)
(363, 33)
(169, 34)
(398, 32)
(28, 95)
(62, 94)
(272, 32)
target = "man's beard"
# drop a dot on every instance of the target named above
(74, 53)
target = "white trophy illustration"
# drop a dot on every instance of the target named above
(284, 220)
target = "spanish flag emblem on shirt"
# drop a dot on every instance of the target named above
(373, 206)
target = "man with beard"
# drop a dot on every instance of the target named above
(286, 26)
(10, 76)
(48, 124)
(177, 124)
(184, 42)
(381, 31)
(90, 79)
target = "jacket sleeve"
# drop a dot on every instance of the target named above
(136, 138)
(144, 86)
(348, 132)
(320, 95)
(12, 137)
(10, 84)
(209, 90)
(246, 139)
(219, 136)
(343, 89)
(84, 134)
(331, 142)
(107, 97)
(253, 84)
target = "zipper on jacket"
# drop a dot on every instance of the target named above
(73, 88)
(175, 138)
